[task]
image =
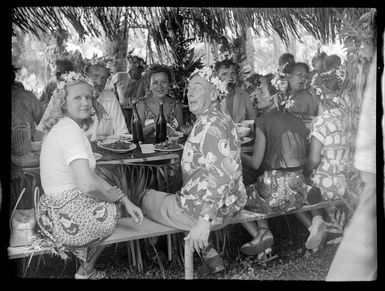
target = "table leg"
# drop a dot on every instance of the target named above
(188, 261)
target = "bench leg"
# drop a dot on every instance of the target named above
(188, 261)
(133, 253)
(169, 251)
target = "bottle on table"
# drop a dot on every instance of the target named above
(160, 126)
(136, 125)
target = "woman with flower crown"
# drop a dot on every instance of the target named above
(280, 148)
(159, 78)
(329, 149)
(78, 208)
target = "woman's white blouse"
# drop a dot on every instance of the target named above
(64, 143)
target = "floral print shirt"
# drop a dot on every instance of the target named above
(211, 168)
(335, 155)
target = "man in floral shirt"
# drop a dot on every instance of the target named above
(213, 189)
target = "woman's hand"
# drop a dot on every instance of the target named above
(199, 235)
(134, 211)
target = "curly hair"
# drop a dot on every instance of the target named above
(286, 58)
(289, 68)
(57, 110)
(156, 68)
(227, 63)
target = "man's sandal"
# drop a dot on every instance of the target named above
(94, 275)
(253, 248)
(212, 259)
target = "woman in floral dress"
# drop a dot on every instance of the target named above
(78, 208)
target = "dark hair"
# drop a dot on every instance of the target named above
(270, 87)
(63, 66)
(286, 58)
(227, 63)
(13, 73)
(304, 65)
(289, 68)
(318, 56)
(158, 68)
(332, 61)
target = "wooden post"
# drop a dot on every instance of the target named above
(133, 253)
(188, 261)
(169, 249)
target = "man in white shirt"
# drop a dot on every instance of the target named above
(112, 123)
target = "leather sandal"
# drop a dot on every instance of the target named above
(252, 249)
(212, 259)
(94, 275)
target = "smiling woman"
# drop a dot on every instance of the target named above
(78, 208)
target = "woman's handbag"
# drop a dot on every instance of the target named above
(22, 224)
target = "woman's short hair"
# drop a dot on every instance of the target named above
(63, 66)
(286, 58)
(289, 68)
(332, 62)
(57, 109)
(318, 56)
(158, 68)
(270, 87)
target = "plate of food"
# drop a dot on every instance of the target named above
(116, 146)
(168, 146)
(246, 140)
(173, 134)
(97, 156)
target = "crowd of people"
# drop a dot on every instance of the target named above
(300, 148)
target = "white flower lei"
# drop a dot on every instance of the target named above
(104, 61)
(207, 73)
(281, 83)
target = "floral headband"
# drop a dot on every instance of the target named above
(136, 60)
(68, 78)
(207, 73)
(105, 61)
(280, 83)
(320, 81)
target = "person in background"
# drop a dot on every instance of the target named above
(110, 119)
(129, 85)
(78, 208)
(158, 78)
(280, 147)
(356, 256)
(26, 108)
(237, 102)
(318, 63)
(332, 62)
(62, 66)
(213, 189)
(59, 51)
(285, 59)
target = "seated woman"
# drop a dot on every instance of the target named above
(78, 209)
(329, 149)
(159, 79)
(280, 146)
(237, 102)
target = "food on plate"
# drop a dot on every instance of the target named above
(168, 145)
(117, 145)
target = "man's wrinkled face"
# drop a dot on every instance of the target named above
(227, 75)
(99, 76)
(198, 94)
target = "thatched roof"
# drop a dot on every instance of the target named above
(165, 22)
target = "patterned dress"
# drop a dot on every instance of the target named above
(329, 175)
(211, 168)
(170, 116)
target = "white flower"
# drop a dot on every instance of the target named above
(318, 91)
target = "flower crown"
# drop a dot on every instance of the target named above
(321, 81)
(105, 61)
(280, 84)
(136, 60)
(207, 73)
(71, 77)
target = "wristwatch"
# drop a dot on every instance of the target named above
(206, 217)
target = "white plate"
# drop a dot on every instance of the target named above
(97, 156)
(126, 137)
(167, 150)
(246, 140)
(104, 145)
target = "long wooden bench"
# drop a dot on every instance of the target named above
(127, 231)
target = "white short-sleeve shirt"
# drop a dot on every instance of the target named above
(64, 143)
